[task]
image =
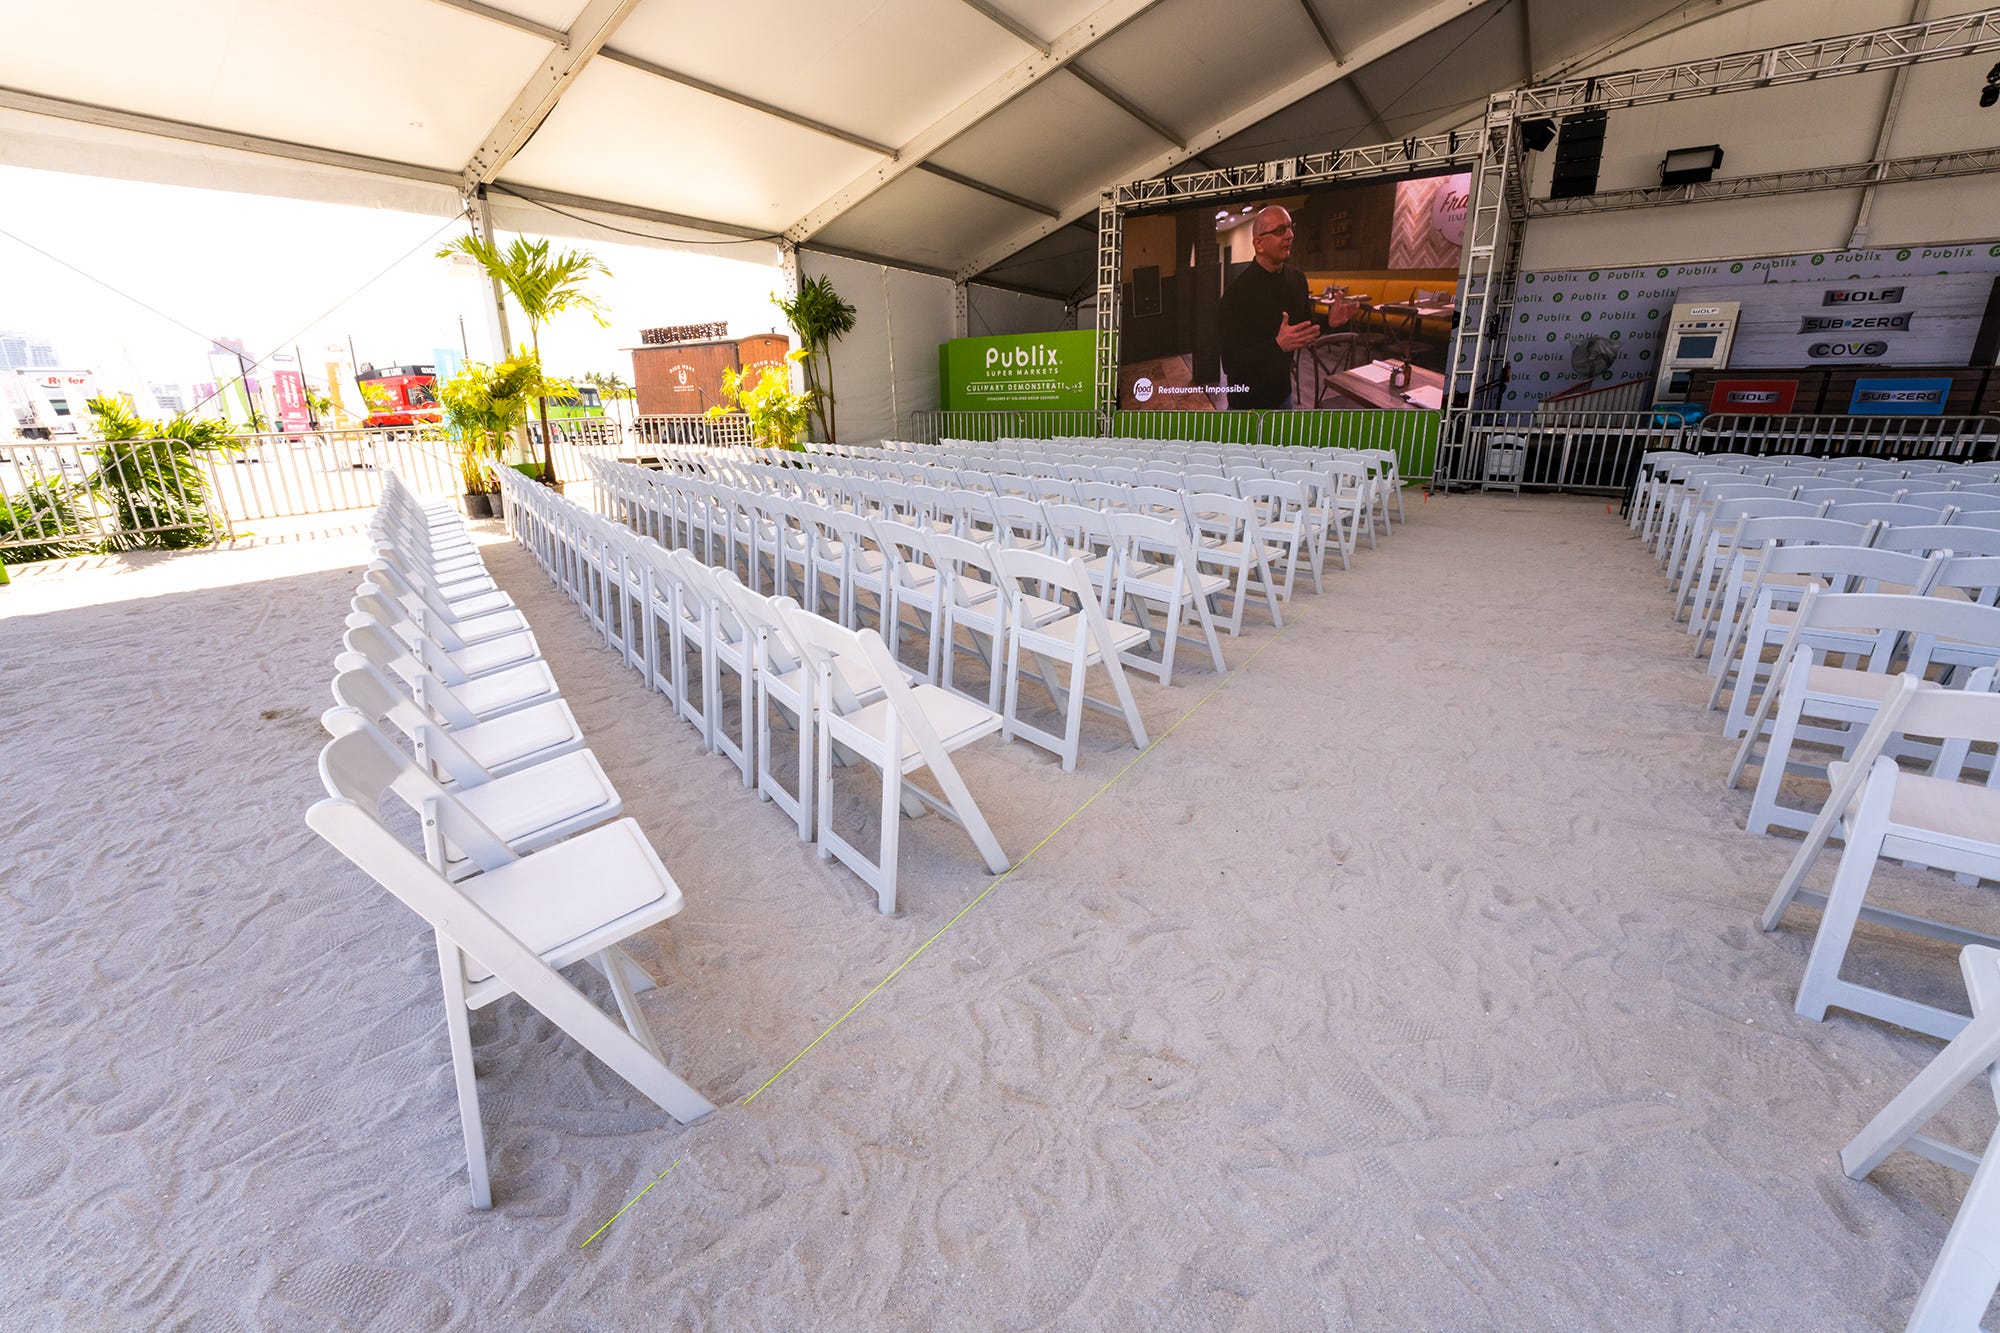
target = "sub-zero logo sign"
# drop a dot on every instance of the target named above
(1823, 351)
(1874, 397)
(1862, 296)
(1835, 323)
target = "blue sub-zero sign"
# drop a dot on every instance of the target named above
(1899, 398)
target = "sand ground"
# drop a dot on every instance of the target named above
(1413, 981)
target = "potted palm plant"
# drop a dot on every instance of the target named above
(544, 284)
(484, 404)
(821, 318)
(778, 416)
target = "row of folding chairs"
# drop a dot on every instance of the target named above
(1167, 554)
(519, 860)
(1883, 644)
(1024, 612)
(729, 659)
(1664, 478)
(1376, 469)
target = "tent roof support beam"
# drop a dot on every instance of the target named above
(545, 87)
(1079, 37)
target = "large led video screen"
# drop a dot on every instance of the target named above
(1340, 297)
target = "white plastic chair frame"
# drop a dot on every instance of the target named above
(1966, 1273)
(1080, 640)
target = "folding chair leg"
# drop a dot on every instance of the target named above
(458, 1028)
(628, 1003)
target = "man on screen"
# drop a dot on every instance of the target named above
(1267, 316)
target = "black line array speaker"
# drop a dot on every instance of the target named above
(1579, 153)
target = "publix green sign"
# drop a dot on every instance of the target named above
(1024, 370)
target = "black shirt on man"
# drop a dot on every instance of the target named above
(1250, 352)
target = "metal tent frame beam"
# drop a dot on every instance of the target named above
(1805, 180)
(544, 89)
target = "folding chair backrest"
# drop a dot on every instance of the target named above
(1854, 568)
(1888, 512)
(1797, 530)
(1978, 576)
(1923, 538)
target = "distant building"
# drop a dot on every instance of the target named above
(25, 351)
(170, 397)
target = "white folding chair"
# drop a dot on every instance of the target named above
(1922, 819)
(709, 628)
(1966, 1274)
(1078, 639)
(1806, 690)
(906, 729)
(1157, 567)
(508, 930)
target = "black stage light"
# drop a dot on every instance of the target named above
(1688, 166)
(1537, 134)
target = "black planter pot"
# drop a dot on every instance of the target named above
(478, 504)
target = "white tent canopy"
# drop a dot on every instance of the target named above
(945, 136)
(960, 140)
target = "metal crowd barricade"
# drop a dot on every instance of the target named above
(75, 495)
(1600, 451)
(692, 428)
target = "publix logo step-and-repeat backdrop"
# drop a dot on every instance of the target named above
(1021, 372)
(1939, 298)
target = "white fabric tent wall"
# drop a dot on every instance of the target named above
(991, 312)
(886, 368)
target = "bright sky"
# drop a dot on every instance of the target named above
(267, 271)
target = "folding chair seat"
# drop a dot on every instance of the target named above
(412, 591)
(524, 810)
(1806, 692)
(1929, 819)
(906, 729)
(1078, 639)
(451, 744)
(1966, 1274)
(1744, 577)
(440, 647)
(440, 622)
(1157, 567)
(508, 930)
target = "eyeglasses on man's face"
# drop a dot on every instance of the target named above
(1285, 230)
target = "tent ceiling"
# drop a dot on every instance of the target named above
(959, 136)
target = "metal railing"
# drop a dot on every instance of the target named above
(1600, 451)
(692, 428)
(1412, 435)
(72, 496)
